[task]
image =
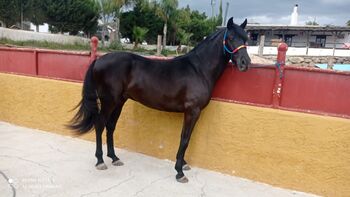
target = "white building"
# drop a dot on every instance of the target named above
(303, 39)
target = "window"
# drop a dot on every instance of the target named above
(321, 40)
(288, 39)
(253, 39)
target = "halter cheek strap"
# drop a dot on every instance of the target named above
(226, 48)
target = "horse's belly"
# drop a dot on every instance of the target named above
(168, 100)
(163, 104)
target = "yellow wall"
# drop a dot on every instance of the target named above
(293, 150)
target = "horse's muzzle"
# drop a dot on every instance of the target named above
(243, 64)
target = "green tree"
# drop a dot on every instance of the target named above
(185, 38)
(9, 12)
(72, 16)
(165, 9)
(145, 14)
(13, 12)
(183, 17)
(199, 25)
(348, 23)
(139, 34)
(142, 14)
(37, 13)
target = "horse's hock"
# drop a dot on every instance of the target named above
(302, 151)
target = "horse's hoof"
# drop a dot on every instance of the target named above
(117, 163)
(101, 166)
(183, 179)
(186, 167)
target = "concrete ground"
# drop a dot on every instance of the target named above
(37, 163)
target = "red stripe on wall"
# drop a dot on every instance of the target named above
(17, 61)
(254, 86)
(62, 65)
(302, 89)
(311, 89)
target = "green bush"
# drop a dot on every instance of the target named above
(115, 46)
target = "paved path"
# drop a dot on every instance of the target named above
(39, 163)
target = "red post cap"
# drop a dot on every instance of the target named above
(282, 46)
(93, 45)
(94, 42)
(94, 39)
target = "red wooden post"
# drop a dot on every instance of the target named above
(93, 45)
(36, 62)
(282, 51)
(281, 60)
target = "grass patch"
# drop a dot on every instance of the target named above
(80, 47)
(46, 45)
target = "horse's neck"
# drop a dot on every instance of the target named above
(212, 58)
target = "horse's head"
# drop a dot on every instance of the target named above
(234, 44)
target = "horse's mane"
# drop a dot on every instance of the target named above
(203, 42)
(237, 29)
(210, 37)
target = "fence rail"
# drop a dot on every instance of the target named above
(283, 87)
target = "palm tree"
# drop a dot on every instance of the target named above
(139, 34)
(185, 38)
(165, 9)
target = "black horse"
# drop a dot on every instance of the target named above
(183, 84)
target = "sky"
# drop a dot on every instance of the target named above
(325, 12)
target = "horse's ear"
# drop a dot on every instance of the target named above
(230, 23)
(244, 24)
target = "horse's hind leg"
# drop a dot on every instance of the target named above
(110, 126)
(100, 124)
(99, 127)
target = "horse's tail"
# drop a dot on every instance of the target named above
(84, 119)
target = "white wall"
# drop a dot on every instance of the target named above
(21, 35)
(253, 49)
(320, 52)
(296, 51)
(342, 52)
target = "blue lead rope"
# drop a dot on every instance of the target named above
(278, 65)
(225, 47)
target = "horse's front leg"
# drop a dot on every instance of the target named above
(190, 119)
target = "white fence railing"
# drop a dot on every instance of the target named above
(296, 51)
